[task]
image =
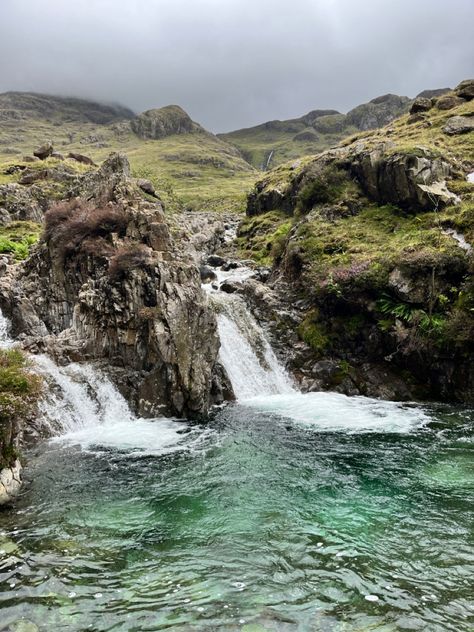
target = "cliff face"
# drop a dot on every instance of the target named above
(107, 283)
(372, 252)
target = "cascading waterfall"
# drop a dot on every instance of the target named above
(81, 406)
(245, 352)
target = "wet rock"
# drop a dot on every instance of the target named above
(229, 286)
(465, 89)
(421, 104)
(44, 151)
(459, 125)
(215, 261)
(207, 274)
(230, 265)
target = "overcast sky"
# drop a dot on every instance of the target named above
(235, 63)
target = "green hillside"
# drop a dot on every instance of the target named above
(189, 166)
(275, 142)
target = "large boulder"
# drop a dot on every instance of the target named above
(162, 122)
(459, 125)
(448, 102)
(411, 180)
(465, 89)
(421, 104)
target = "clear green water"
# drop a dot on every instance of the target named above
(265, 524)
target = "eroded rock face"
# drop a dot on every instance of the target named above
(120, 294)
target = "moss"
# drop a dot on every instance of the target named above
(20, 389)
(313, 332)
(18, 237)
(263, 237)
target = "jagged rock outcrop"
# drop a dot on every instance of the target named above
(413, 180)
(162, 122)
(378, 111)
(107, 283)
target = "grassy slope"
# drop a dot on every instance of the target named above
(188, 170)
(257, 143)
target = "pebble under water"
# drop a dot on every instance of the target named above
(291, 513)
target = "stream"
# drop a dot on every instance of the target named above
(287, 511)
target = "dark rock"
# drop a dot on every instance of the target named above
(14, 169)
(230, 265)
(147, 187)
(465, 89)
(416, 118)
(263, 274)
(448, 102)
(215, 261)
(231, 286)
(207, 274)
(459, 125)
(85, 160)
(420, 104)
(44, 151)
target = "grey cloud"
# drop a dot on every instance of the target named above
(235, 63)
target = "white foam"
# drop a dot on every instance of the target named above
(336, 412)
(135, 436)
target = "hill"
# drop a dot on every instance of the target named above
(374, 240)
(273, 143)
(189, 166)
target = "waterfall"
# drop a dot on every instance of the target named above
(245, 352)
(79, 396)
(270, 156)
(81, 406)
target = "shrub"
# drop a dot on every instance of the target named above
(69, 224)
(127, 258)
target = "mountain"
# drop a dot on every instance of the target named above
(188, 165)
(272, 143)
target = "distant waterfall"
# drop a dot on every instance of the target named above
(269, 159)
(245, 352)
